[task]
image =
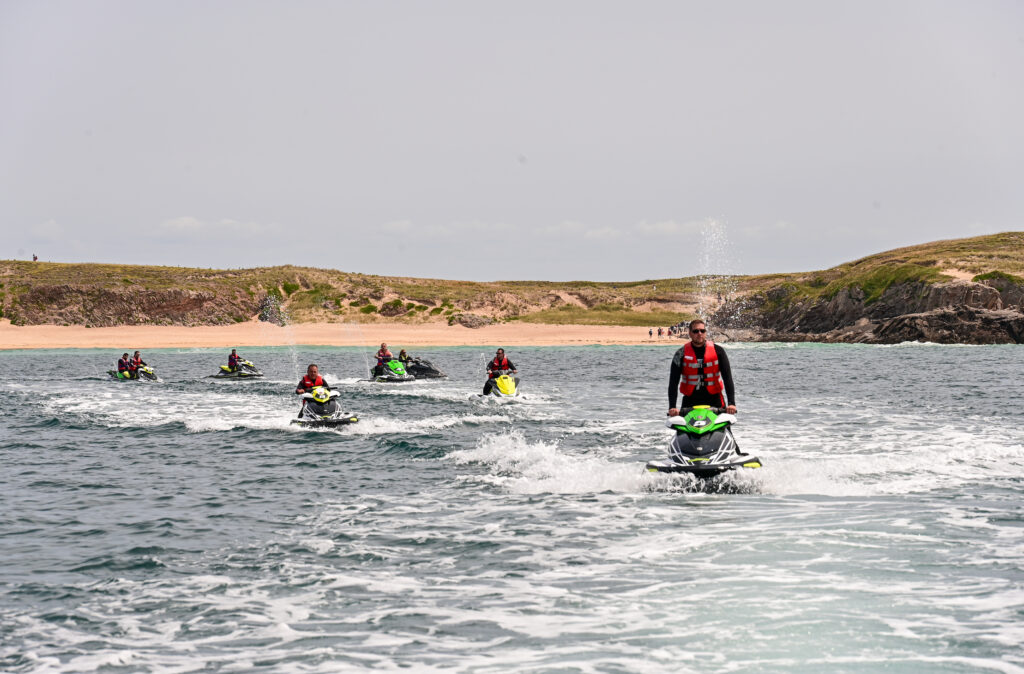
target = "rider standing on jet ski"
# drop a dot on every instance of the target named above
(311, 380)
(703, 368)
(495, 367)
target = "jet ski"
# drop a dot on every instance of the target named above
(421, 368)
(704, 445)
(246, 370)
(504, 386)
(144, 373)
(320, 409)
(391, 371)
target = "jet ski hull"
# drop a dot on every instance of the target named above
(703, 446)
(391, 379)
(244, 370)
(424, 369)
(325, 423)
(142, 376)
(704, 469)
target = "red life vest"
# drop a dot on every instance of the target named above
(137, 362)
(691, 374)
(382, 354)
(308, 383)
(495, 365)
(123, 364)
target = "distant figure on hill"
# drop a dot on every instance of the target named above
(35, 258)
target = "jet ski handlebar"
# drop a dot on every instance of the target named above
(683, 411)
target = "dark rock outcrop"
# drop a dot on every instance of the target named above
(954, 325)
(958, 312)
(101, 307)
(472, 320)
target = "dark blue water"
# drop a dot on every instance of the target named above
(186, 525)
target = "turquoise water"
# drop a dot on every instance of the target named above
(185, 525)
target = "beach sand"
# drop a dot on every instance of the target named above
(329, 334)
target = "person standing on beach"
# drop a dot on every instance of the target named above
(701, 371)
(650, 333)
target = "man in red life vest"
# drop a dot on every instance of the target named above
(233, 360)
(495, 367)
(311, 381)
(383, 355)
(124, 366)
(137, 362)
(701, 371)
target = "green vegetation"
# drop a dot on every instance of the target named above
(876, 281)
(604, 315)
(42, 292)
(999, 276)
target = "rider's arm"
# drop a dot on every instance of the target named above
(512, 366)
(299, 389)
(673, 383)
(726, 370)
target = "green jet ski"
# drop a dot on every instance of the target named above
(704, 445)
(144, 373)
(392, 371)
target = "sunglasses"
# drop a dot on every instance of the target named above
(698, 330)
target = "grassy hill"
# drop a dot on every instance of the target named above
(102, 294)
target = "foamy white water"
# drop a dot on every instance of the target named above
(187, 525)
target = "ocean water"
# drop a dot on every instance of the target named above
(185, 525)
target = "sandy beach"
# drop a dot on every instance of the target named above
(329, 334)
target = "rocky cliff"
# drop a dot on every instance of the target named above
(986, 311)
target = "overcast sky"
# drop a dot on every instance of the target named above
(516, 140)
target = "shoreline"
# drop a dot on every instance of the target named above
(255, 333)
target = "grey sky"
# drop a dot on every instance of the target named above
(527, 140)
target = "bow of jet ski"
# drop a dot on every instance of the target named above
(391, 372)
(703, 445)
(321, 409)
(502, 387)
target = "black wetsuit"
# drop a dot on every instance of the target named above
(701, 395)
